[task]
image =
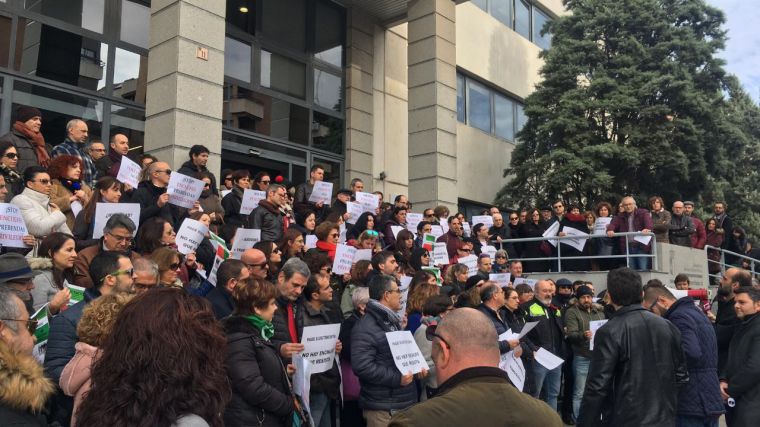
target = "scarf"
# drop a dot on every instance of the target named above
(327, 247)
(36, 140)
(266, 327)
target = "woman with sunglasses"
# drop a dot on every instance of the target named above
(107, 190)
(211, 203)
(55, 263)
(169, 263)
(153, 234)
(369, 239)
(501, 262)
(274, 258)
(68, 188)
(419, 258)
(261, 181)
(366, 221)
(40, 215)
(8, 168)
(327, 239)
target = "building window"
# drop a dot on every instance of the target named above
(87, 14)
(237, 60)
(504, 117)
(328, 90)
(478, 106)
(540, 19)
(135, 23)
(522, 16)
(283, 74)
(460, 99)
(284, 22)
(488, 110)
(502, 10)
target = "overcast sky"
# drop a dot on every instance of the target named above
(742, 52)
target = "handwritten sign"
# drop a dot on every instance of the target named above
(486, 220)
(370, 202)
(104, 211)
(344, 259)
(251, 199)
(354, 210)
(600, 226)
(12, 226)
(594, 326)
(244, 239)
(577, 243)
(437, 231)
(184, 190)
(129, 172)
(406, 354)
(514, 368)
(501, 279)
(403, 288)
(190, 235)
(319, 346)
(440, 254)
(466, 229)
(322, 192)
(412, 219)
(363, 254)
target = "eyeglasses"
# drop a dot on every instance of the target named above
(265, 182)
(129, 272)
(334, 234)
(167, 171)
(430, 334)
(11, 155)
(394, 291)
(143, 286)
(206, 185)
(42, 181)
(31, 324)
(326, 269)
(500, 257)
(260, 265)
(121, 239)
(228, 178)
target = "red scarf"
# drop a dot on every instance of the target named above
(36, 140)
(327, 247)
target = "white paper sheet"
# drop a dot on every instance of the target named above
(501, 279)
(594, 325)
(190, 235)
(643, 239)
(547, 358)
(552, 231)
(129, 172)
(319, 346)
(600, 226)
(344, 259)
(412, 219)
(514, 368)
(12, 226)
(404, 290)
(578, 243)
(406, 354)
(184, 190)
(244, 239)
(322, 192)
(251, 199)
(486, 220)
(103, 211)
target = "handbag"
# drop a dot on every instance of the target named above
(350, 382)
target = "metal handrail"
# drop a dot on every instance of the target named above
(752, 261)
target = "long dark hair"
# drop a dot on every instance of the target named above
(51, 244)
(360, 225)
(163, 359)
(103, 184)
(149, 235)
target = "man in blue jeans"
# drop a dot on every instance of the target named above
(630, 220)
(548, 334)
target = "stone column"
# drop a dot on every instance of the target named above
(432, 103)
(184, 99)
(359, 111)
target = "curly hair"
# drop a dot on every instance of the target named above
(323, 230)
(59, 166)
(419, 295)
(99, 316)
(163, 359)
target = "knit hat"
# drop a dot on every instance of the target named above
(583, 290)
(25, 113)
(564, 283)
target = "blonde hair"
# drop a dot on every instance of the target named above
(99, 316)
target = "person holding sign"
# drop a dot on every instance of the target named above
(56, 265)
(153, 198)
(398, 219)
(366, 221)
(472, 390)
(40, 215)
(303, 191)
(493, 298)
(384, 389)
(232, 202)
(107, 190)
(327, 243)
(211, 203)
(514, 315)
(261, 395)
(117, 237)
(632, 219)
(68, 192)
(155, 233)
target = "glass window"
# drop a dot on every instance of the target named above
(284, 22)
(478, 106)
(328, 90)
(130, 75)
(504, 117)
(460, 98)
(327, 133)
(522, 18)
(5, 40)
(241, 14)
(255, 112)
(55, 54)
(483, 4)
(502, 10)
(131, 123)
(329, 28)
(87, 14)
(237, 60)
(539, 19)
(521, 117)
(135, 23)
(283, 74)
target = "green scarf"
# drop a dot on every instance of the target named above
(266, 327)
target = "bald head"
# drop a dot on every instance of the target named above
(471, 339)
(256, 262)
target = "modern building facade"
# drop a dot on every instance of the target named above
(418, 97)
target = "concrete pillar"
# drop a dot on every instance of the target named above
(184, 101)
(432, 103)
(359, 110)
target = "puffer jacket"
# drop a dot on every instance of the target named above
(681, 229)
(40, 220)
(260, 390)
(267, 218)
(549, 333)
(231, 204)
(76, 375)
(22, 405)
(372, 362)
(636, 370)
(45, 287)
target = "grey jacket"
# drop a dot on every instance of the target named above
(681, 229)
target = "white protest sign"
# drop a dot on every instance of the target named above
(251, 199)
(440, 254)
(437, 231)
(404, 293)
(184, 190)
(369, 201)
(218, 260)
(577, 243)
(244, 239)
(471, 261)
(76, 207)
(319, 346)
(466, 229)
(395, 229)
(444, 226)
(129, 172)
(406, 354)
(529, 282)
(104, 211)
(12, 226)
(354, 211)
(514, 368)
(552, 231)
(486, 220)
(412, 219)
(224, 193)
(501, 279)
(643, 239)
(600, 226)
(363, 254)
(344, 259)
(594, 325)
(342, 233)
(322, 193)
(311, 241)
(547, 358)
(489, 250)
(190, 235)
(302, 380)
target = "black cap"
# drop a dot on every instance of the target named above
(564, 283)
(345, 191)
(583, 290)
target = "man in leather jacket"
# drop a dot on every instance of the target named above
(637, 366)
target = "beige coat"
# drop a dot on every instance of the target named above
(61, 197)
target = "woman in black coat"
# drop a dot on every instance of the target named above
(261, 393)
(533, 228)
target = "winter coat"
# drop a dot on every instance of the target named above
(231, 204)
(61, 197)
(147, 196)
(280, 321)
(45, 287)
(267, 218)
(191, 170)
(76, 375)
(742, 373)
(221, 301)
(636, 370)
(532, 249)
(550, 331)
(661, 225)
(480, 396)
(327, 382)
(84, 258)
(726, 324)
(26, 155)
(578, 222)
(726, 225)
(13, 181)
(260, 390)
(452, 242)
(681, 230)
(372, 361)
(642, 220)
(700, 397)
(578, 321)
(40, 220)
(699, 238)
(24, 389)
(505, 232)
(499, 322)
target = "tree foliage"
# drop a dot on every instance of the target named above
(634, 101)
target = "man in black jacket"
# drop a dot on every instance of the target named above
(681, 226)
(726, 320)
(725, 224)
(153, 198)
(635, 353)
(291, 280)
(197, 163)
(229, 273)
(267, 217)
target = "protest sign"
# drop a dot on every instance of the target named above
(12, 226)
(311, 242)
(406, 354)
(600, 226)
(466, 229)
(190, 236)
(501, 279)
(644, 240)
(514, 368)
(302, 381)
(251, 199)
(547, 358)
(41, 333)
(342, 230)
(404, 293)
(435, 271)
(319, 346)
(444, 226)
(594, 325)
(440, 254)
(224, 193)
(76, 207)
(471, 261)
(395, 229)
(103, 211)
(363, 254)
(129, 172)
(527, 327)
(529, 282)
(370, 202)
(354, 211)
(552, 230)
(244, 239)
(437, 231)
(428, 240)
(412, 219)
(184, 190)
(486, 220)
(577, 243)
(489, 250)
(344, 259)
(321, 193)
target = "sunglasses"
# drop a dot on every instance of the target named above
(265, 182)
(31, 324)
(513, 218)
(430, 334)
(42, 181)
(327, 270)
(174, 266)
(11, 155)
(500, 257)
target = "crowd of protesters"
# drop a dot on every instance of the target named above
(124, 329)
